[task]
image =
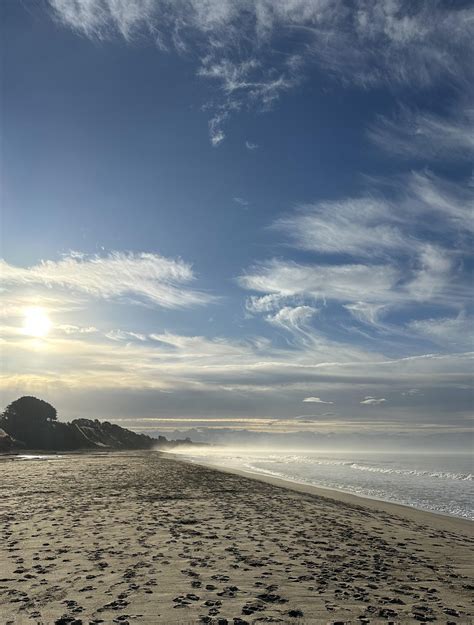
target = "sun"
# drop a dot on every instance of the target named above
(36, 322)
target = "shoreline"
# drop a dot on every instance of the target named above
(147, 537)
(434, 519)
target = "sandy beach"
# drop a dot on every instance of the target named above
(145, 538)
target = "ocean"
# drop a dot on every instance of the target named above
(436, 482)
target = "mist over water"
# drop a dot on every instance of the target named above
(436, 482)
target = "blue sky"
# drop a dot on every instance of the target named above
(256, 213)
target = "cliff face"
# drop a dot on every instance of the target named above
(79, 434)
(105, 435)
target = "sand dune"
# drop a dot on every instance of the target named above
(142, 538)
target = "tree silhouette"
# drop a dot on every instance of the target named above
(33, 423)
(28, 419)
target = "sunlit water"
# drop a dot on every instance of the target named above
(441, 483)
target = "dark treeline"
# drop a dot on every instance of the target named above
(31, 423)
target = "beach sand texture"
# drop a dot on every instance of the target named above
(144, 538)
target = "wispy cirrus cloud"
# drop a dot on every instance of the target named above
(143, 277)
(249, 50)
(434, 204)
(366, 291)
(295, 320)
(457, 331)
(400, 246)
(381, 224)
(241, 201)
(342, 283)
(357, 226)
(271, 302)
(124, 335)
(251, 146)
(415, 134)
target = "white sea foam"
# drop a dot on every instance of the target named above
(441, 483)
(36, 457)
(445, 475)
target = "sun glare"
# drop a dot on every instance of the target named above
(36, 322)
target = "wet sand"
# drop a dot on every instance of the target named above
(145, 538)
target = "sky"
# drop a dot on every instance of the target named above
(240, 219)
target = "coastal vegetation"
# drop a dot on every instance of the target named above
(32, 423)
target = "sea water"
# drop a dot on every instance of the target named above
(438, 482)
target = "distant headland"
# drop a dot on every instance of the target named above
(31, 423)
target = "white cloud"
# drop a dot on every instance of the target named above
(255, 50)
(444, 206)
(380, 254)
(73, 329)
(241, 201)
(242, 83)
(316, 400)
(251, 146)
(216, 133)
(267, 303)
(365, 312)
(412, 392)
(362, 227)
(369, 226)
(454, 332)
(373, 401)
(432, 273)
(427, 39)
(296, 321)
(418, 134)
(292, 317)
(146, 277)
(367, 291)
(245, 77)
(122, 335)
(341, 283)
